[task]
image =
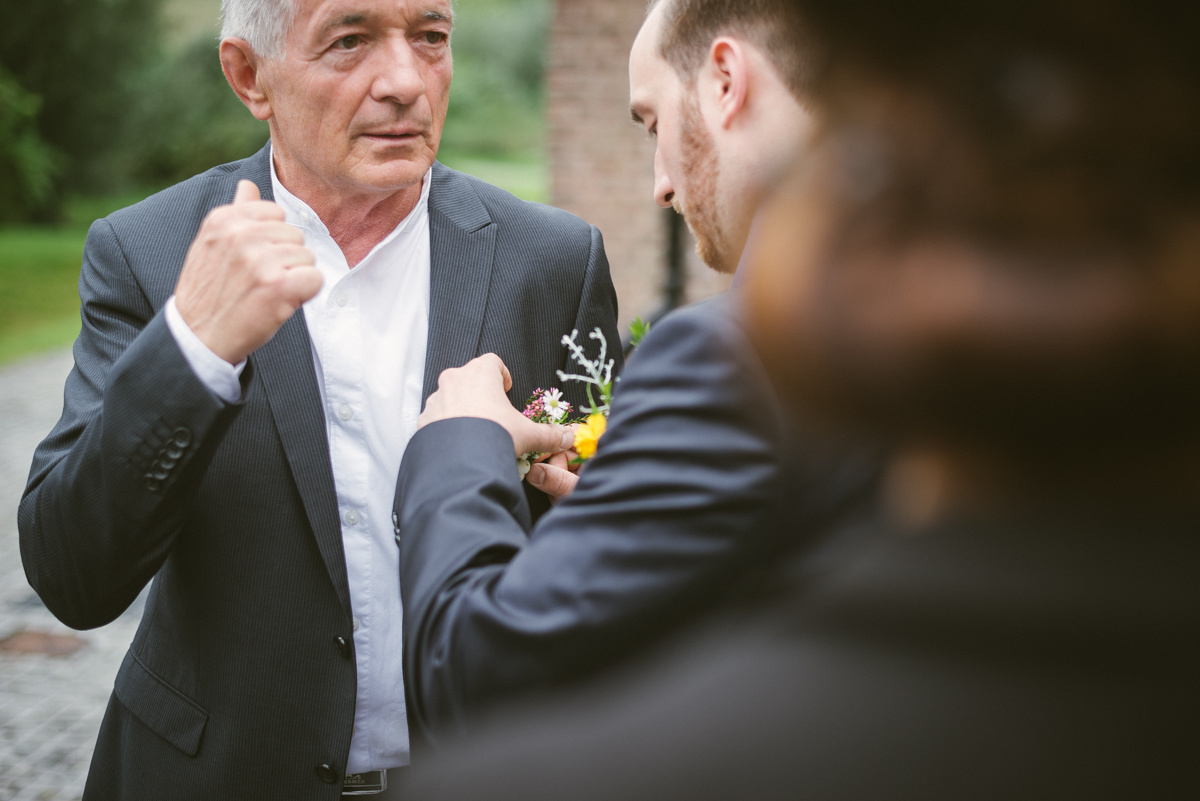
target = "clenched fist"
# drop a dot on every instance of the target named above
(245, 275)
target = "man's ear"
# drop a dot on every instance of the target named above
(728, 70)
(241, 66)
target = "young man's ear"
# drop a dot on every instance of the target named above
(727, 70)
(241, 65)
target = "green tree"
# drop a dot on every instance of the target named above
(27, 164)
(496, 99)
(185, 119)
(80, 57)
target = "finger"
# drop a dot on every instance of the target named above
(247, 192)
(287, 256)
(541, 437)
(275, 231)
(554, 481)
(300, 285)
(495, 362)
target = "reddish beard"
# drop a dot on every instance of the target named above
(699, 205)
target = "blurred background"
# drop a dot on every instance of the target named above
(104, 102)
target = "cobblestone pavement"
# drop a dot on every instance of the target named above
(50, 707)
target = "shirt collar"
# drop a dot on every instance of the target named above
(302, 216)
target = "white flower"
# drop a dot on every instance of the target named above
(553, 403)
(524, 465)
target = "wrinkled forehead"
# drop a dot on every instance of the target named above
(314, 17)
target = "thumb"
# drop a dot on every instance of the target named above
(247, 192)
(554, 481)
(542, 438)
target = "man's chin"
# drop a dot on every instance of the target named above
(394, 169)
(714, 254)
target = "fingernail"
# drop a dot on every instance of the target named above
(568, 439)
(536, 476)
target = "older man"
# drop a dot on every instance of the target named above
(246, 381)
(676, 509)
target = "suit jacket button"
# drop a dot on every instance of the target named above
(327, 774)
(342, 646)
(152, 484)
(182, 437)
(160, 473)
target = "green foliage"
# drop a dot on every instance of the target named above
(27, 164)
(39, 277)
(638, 330)
(185, 119)
(496, 99)
(79, 57)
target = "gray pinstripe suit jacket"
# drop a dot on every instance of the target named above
(241, 679)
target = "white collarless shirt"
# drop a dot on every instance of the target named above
(369, 329)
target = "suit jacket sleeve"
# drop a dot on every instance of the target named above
(671, 510)
(110, 484)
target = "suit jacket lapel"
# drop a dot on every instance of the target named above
(285, 365)
(462, 244)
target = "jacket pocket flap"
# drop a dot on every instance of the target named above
(167, 712)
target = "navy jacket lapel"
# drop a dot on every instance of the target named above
(285, 365)
(462, 242)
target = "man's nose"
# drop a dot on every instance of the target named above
(664, 190)
(400, 79)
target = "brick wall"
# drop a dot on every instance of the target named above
(602, 165)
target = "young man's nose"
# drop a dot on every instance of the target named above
(664, 190)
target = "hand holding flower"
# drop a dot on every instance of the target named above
(477, 389)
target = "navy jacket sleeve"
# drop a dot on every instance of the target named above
(108, 488)
(668, 514)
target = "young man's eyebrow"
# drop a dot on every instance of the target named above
(637, 118)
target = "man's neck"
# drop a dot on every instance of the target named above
(357, 221)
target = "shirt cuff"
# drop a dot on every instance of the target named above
(222, 378)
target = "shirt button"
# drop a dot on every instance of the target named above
(355, 622)
(341, 298)
(352, 518)
(345, 412)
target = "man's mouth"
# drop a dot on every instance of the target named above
(392, 137)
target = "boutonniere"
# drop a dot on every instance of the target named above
(548, 405)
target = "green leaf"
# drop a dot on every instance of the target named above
(638, 330)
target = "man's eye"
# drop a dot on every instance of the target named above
(347, 42)
(434, 37)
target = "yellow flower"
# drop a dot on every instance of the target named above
(588, 434)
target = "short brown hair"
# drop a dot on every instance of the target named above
(775, 26)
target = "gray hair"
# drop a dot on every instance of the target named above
(262, 23)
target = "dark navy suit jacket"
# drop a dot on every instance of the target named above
(676, 510)
(240, 682)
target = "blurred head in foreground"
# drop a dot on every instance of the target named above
(994, 247)
(722, 85)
